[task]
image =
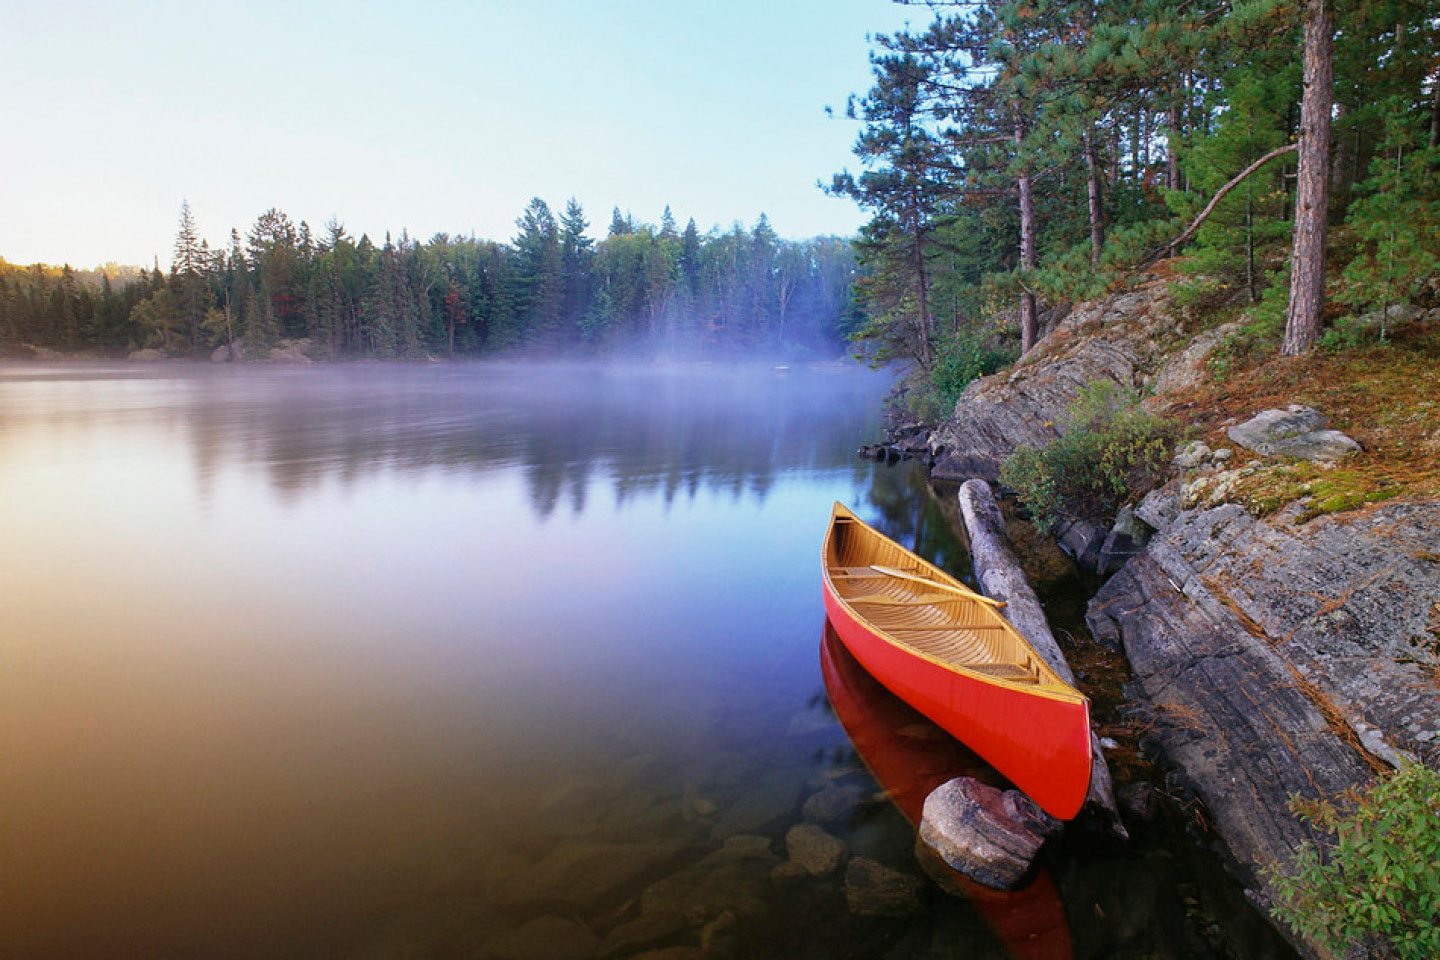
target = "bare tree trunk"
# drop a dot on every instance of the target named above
(1312, 183)
(1340, 166)
(1097, 200)
(1027, 249)
(1435, 120)
(1115, 146)
(922, 280)
(1172, 149)
(1172, 154)
(922, 284)
(1251, 285)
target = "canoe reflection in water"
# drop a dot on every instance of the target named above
(910, 756)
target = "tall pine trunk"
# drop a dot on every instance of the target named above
(1093, 190)
(1027, 246)
(1312, 183)
(1435, 120)
(922, 279)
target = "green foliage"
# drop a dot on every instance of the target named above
(960, 358)
(1396, 217)
(1378, 878)
(552, 290)
(1247, 235)
(1259, 334)
(1109, 451)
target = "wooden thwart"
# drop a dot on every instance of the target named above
(963, 591)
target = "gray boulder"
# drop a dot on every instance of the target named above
(1296, 431)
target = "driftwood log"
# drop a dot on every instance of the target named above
(1001, 578)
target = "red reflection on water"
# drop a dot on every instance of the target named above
(910, 756)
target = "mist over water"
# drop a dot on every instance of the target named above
(446, 660)
(285, 649)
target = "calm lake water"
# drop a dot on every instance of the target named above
(482, 661)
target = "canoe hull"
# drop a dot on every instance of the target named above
(1042, 744)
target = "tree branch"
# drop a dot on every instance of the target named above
(1235, 181)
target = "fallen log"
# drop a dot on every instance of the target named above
(1001, 578)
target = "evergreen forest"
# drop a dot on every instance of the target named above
(552, 291)
(1282, 155)
(1013, 156)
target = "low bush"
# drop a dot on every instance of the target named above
(959, 358)
(1379, 878)
(1110, 451)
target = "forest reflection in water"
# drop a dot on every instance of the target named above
(442, 660)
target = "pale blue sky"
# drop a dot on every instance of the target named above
(425, 115)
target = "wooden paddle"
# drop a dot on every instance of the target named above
(963, 591)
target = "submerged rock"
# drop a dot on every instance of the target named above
(875, 890)
(587, 874)
(812, 848)
(545, 938)
(656, 928)
(835, 803)
(990, 835)
(736, 877)
(772, 797)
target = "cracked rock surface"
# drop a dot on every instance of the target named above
(1277, 659)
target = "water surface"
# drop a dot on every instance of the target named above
(446, 660)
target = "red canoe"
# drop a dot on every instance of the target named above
(947, 651)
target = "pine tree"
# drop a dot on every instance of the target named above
(904, 186)
(539, 294)
(188, 280)
(576, 255)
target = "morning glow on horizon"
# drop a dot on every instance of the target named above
(428, 117)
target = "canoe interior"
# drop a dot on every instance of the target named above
(936, 622)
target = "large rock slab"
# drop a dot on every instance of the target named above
(1277, 659)
(1107, 340)
(1299, 432)
(988, 834)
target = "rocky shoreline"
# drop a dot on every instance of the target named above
(1273, 657)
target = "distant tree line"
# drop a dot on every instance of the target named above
(1018, 154)
(553, 290)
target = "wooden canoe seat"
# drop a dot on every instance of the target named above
(889, 601)
(1003, 671)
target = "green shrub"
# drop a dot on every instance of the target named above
(959, 358)
(1110, 451)
(1380, 878)
(1259, 335)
